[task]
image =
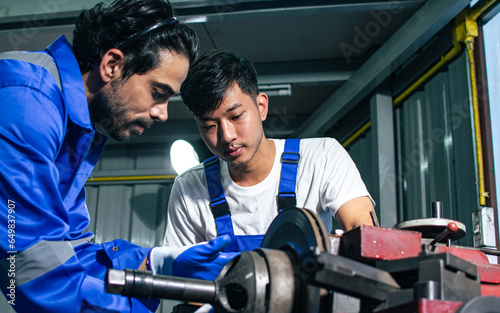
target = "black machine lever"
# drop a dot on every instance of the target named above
(450, 229)
(335, 272)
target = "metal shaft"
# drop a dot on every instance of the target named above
(437, 209)
(139, 284)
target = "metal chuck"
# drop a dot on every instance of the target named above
(259, 281)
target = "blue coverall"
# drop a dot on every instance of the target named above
(48, 149)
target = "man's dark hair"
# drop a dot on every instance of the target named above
(212, 75)
(105, 27)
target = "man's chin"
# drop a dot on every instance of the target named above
(236, 162)
(123, 136)
(120, 138)
(113, 133)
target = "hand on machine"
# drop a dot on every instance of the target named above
(202, 261)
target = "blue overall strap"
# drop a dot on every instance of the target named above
(218, 203)
(289, 164)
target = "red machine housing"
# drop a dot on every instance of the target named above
(371, 244)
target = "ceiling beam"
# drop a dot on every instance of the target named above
(422, 26)
(333, 71)
(216, 10)
(15, 14)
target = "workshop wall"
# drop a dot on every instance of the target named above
(436, 157)
(435, 150)
(138, 205)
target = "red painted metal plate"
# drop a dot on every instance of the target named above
(426, 306)
(377, 243)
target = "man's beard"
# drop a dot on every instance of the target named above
(251, 157)
(110, 113)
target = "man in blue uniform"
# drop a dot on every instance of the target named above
(126, 61)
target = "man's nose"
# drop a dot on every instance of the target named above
(227, 132)
(159, 112)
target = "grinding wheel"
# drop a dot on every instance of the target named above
(297, 230)
(432, 227)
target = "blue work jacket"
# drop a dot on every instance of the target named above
(48, 148)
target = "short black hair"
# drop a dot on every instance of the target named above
(105, 27)
(212, 75)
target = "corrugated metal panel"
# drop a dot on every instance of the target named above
(436, 152)
(92, 196)
(438, 141)
(113, 219)
(134, 211)
(153, 157)
(466, 191)
(117, 157)
(360, 152)
(135, 157)
(149, 213)
(414, 160)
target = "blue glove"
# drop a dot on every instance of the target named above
(203, 261)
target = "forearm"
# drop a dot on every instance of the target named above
(355, 213)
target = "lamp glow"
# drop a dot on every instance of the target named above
(183, 156)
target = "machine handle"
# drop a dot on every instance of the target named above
(141, 284)
(451, 228)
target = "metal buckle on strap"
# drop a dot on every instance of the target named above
(286, 202)
(210, 162)
(291, 161)
(220, 209)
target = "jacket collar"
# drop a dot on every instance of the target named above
(72, 82)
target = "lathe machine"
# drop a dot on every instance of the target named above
(411, 268)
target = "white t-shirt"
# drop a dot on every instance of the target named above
(326, 178)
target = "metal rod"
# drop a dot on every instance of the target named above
(131, 178)
(140, 284)
(374, 219)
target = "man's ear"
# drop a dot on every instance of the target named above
(111, 65)
(263, 105)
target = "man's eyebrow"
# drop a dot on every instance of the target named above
(165, 87)
(232, 108)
